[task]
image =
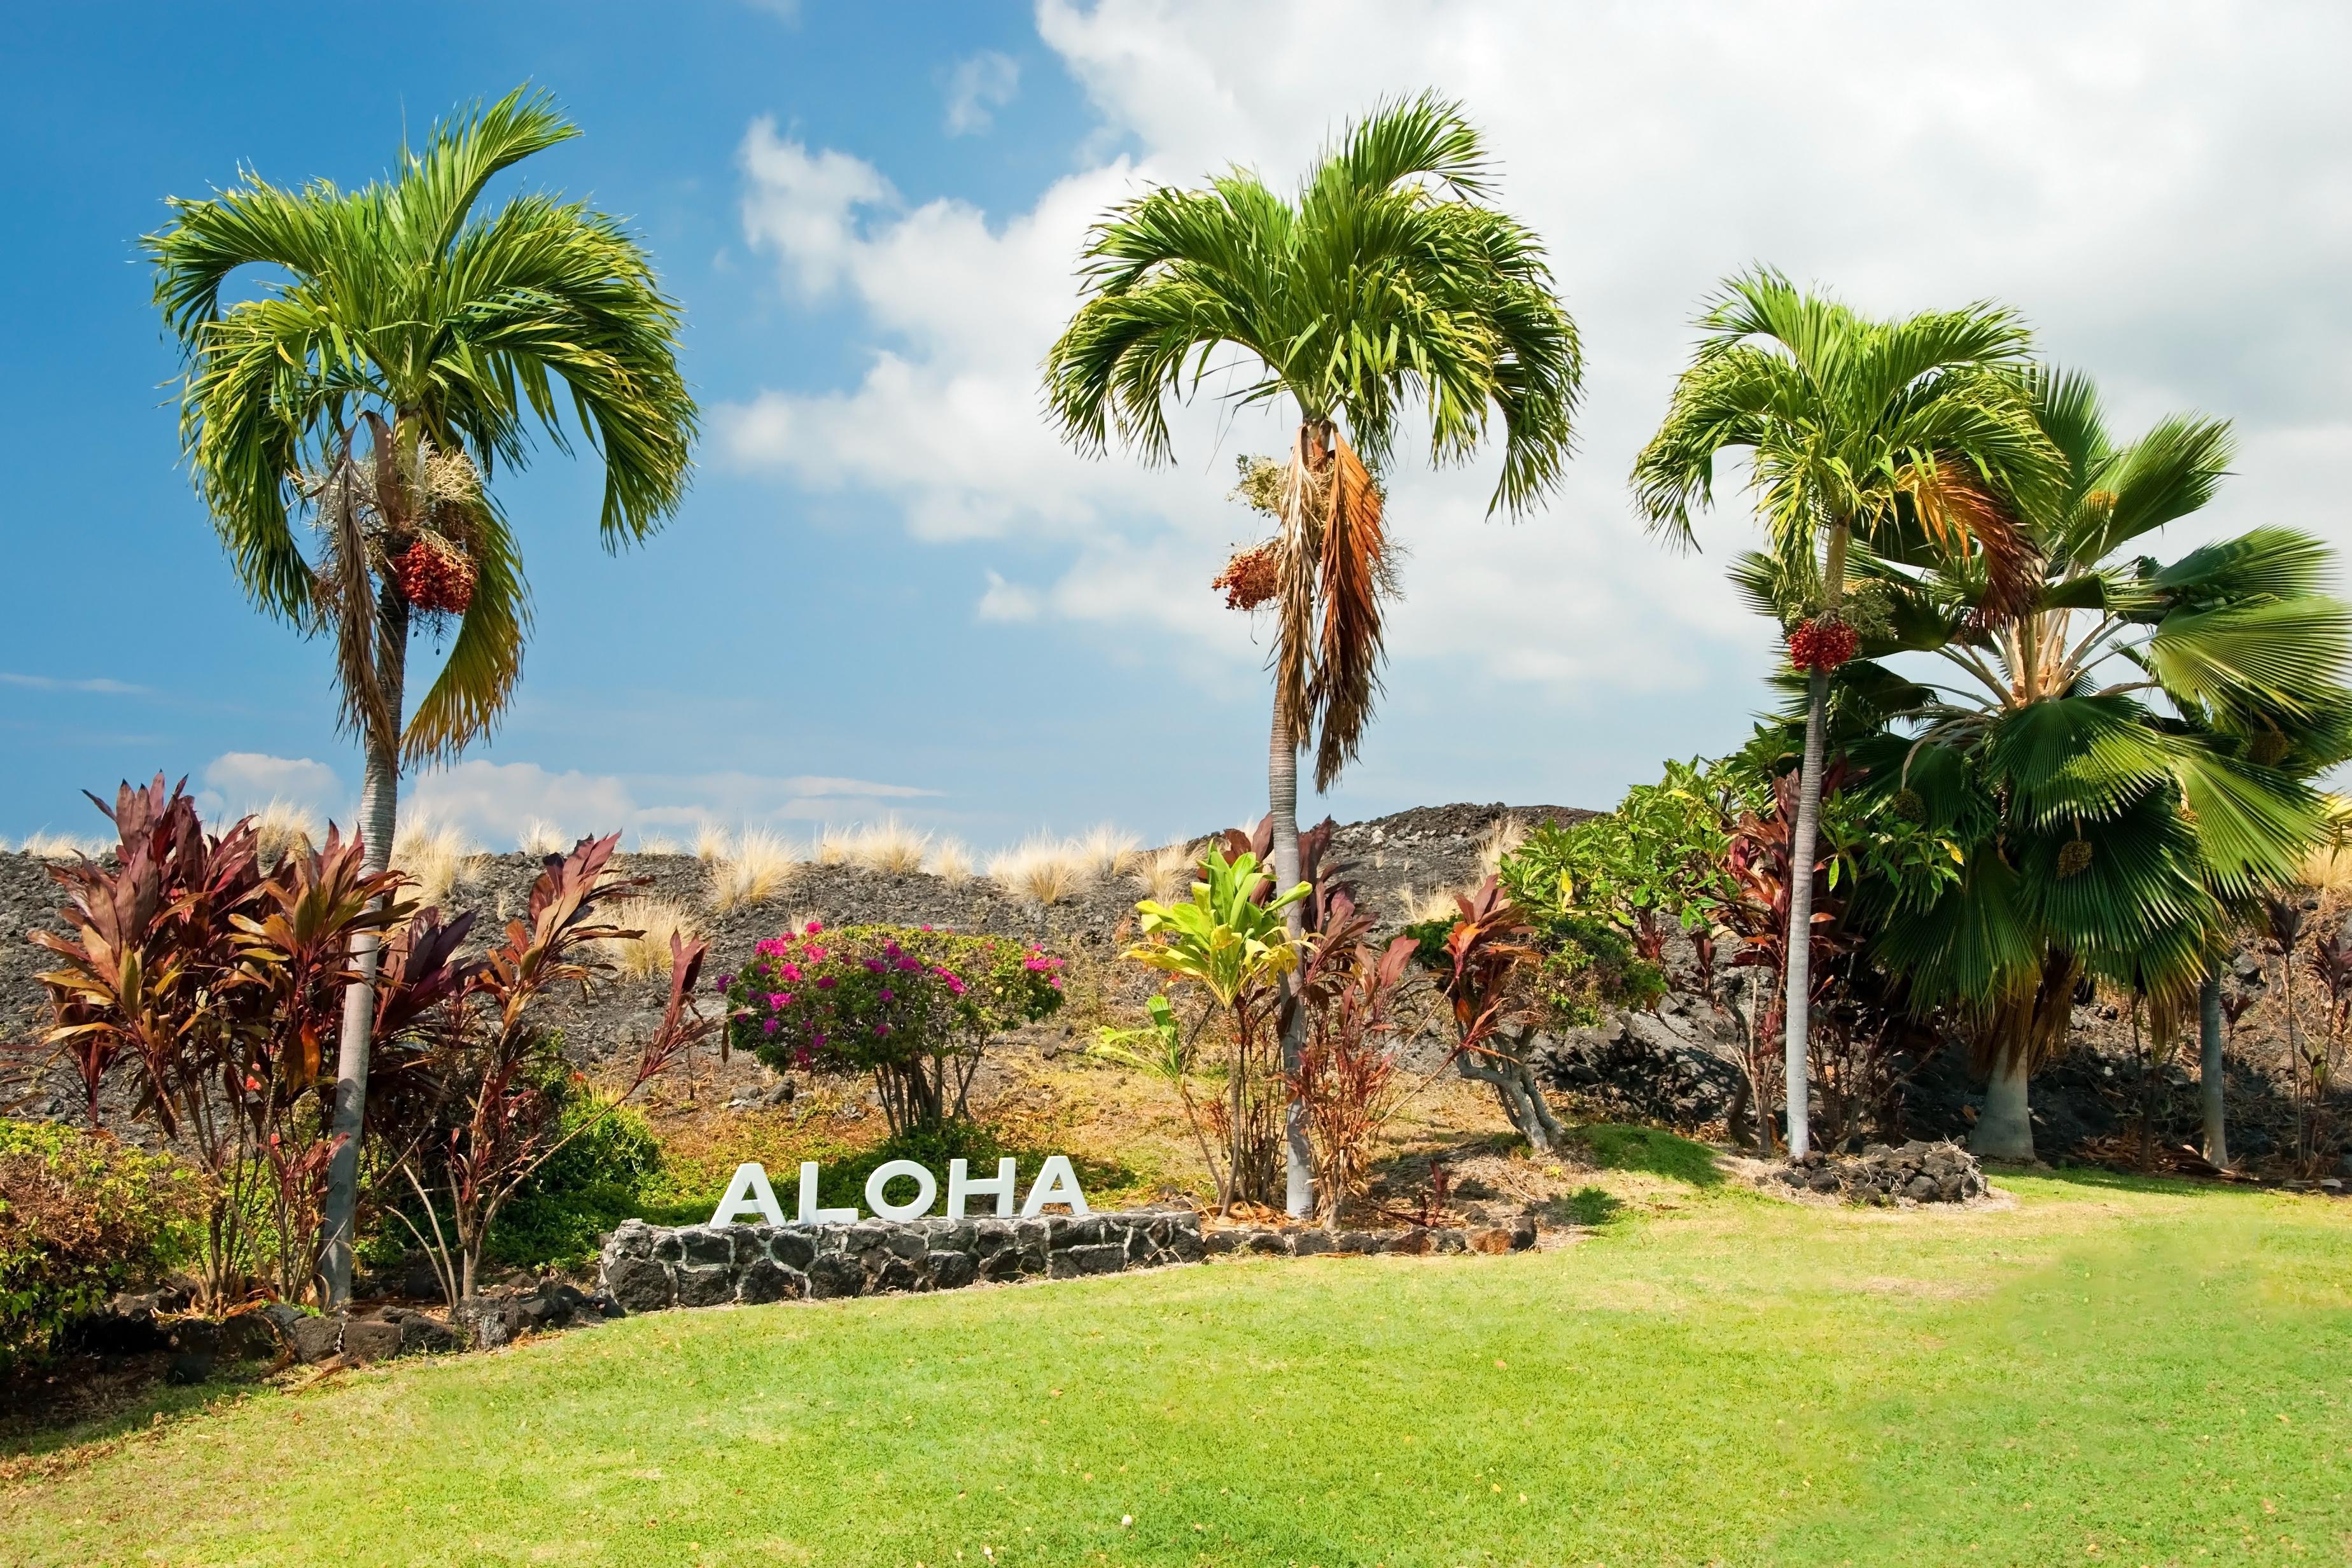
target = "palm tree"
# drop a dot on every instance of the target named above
(448, 336)
(2125, 762)
(1388, 279)
(1854, 429)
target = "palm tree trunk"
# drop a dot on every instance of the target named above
(2210, 1067)
(1802, 838)
(1282, 804)
(379, 813)
(1798, 1006)
(2005, 1130)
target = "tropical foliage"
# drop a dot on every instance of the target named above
(2123, 762)
(1913, 434)
(1230, 943)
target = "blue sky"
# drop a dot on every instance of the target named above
(890, 591)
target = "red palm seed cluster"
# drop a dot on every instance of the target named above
(435, 578)
(1250, 578)
(1822, 643)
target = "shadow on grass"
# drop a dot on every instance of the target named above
(2102, 1178)
(1587, 1206)
(89, 1404)
(1617, 1147)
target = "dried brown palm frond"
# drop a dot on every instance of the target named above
(1353, 581)
(1960, 513)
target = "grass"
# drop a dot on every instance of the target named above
(436, 858)
(1048, 870)
(2109, 1372)
(750, 869)
(646, 955)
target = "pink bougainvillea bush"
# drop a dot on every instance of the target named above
(913, 1005)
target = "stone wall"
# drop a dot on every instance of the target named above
(1413, 1240)
(644, 1269)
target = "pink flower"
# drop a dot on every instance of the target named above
(781, 999)
(791, 972)
(825, 982)
(889, 994)
(768, 1027)
(880, 1030)
(819, 1042)
(813, 928)
(1055, 984)
(873, 966)
(909, 963)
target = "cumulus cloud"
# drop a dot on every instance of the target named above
(979, 87)
(2167, 195)
(492, 801)
(235, 783)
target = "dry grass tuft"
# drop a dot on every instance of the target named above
(1046, 869)
(435, 858)
(281, 827)
(657, 844)
(890, 846)
(1166, 874)
(1434, 905)
(751, 870)
(950, 862)
(541, 836)
(646, 957)
(709, 843)
(62, 847)
(831, 846)
(1109, 851)
(1501, 839)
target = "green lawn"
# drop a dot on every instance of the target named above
(2109, 1373)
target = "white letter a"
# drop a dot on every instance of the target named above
(749, 1193)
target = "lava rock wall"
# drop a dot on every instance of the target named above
(644, 1269)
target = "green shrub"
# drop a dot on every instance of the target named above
(560, 1212)
(81, 1217)
(1589, 966)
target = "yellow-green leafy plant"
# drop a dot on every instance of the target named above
(1235, 948)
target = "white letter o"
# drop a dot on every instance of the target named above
(927, 1188)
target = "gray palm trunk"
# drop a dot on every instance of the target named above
(2005, 1130)
(2210, 1067)
(1282, 805)
(1798, 1006)
(379, 813)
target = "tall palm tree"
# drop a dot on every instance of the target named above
(1853, 428)
(447, 337)
(1389, 279)
(2127, 762)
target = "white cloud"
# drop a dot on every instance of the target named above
(2167, 194)
(235, 783)
(1006, 601)
(977, 88)
(804, 204)
(492, 801)
(95, 686)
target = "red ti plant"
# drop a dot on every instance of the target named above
(480, 1071)
(207, 979)
(1346, 1076)
(293, 963)
(1478, 971)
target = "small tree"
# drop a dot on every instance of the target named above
(1348, 1075)
(1482, 960)
(915, 1007)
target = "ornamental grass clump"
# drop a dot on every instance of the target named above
(912, 1005)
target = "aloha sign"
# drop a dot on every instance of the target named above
(750, 1198)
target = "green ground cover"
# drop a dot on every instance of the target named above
(2111, 1372)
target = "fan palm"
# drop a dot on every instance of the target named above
(1855, 430)
(1387, 279)
(2123, 762)
(446, 336)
